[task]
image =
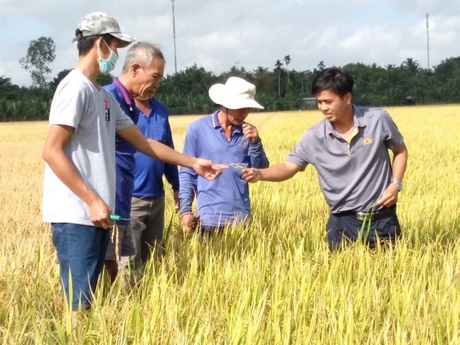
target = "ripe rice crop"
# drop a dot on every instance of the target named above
(275, 283)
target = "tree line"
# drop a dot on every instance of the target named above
(278, 87)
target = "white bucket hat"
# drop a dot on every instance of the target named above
(237, 93)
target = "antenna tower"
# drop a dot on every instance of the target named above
(428, 39)
(174, 35)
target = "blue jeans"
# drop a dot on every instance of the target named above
(343, 230)
(81, 252)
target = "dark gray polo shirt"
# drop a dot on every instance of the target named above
(351, 176)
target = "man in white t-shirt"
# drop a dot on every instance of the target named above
(79, 151)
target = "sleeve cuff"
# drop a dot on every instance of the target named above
(256, 146)
(184, 209)
(297, 161)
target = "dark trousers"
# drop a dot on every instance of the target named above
(343, 230)
(207, 231)
(151, 212)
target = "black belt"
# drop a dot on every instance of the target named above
(372, 216)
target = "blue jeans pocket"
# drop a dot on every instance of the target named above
(57, 235)
(389, 227)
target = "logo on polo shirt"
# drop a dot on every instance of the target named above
(367, 141)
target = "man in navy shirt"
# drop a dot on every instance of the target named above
(226, 138)
(140, 193)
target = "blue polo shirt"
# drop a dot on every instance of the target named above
(225, 200)
(148, 172)
(124, 154)
(137, 174)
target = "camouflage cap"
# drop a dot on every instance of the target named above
(100, 23)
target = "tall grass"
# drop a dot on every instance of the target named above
(275, 283)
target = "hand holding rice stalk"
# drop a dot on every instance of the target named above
(114, 238)
(116, 218)
(189, 222)
(236, 166)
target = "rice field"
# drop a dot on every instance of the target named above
(275, 283)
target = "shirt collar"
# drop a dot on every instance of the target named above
(358, 118)
(216, 123)
(127, 98)
(358, 121)
(215, 119)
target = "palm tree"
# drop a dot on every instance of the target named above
(411, 66)
(4, 109)
(263, 79)
(321, 66)
(287, 61)
(278, 65)
(19, 108)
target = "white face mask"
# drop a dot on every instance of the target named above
(108, 65)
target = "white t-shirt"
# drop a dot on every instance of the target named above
(96, 116)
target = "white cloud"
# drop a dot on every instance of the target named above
(217, 34)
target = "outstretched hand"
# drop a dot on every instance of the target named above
(208, 169)
(251, 174)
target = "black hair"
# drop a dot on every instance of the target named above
(85, 44)
(333, 79)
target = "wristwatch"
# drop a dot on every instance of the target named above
(398, 184)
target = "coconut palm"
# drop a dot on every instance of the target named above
(321, 66)
(287, 61)
(278, 65)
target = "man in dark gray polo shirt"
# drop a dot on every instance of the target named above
(349, 149)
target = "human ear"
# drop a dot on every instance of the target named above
(348, 98)
(135, 67)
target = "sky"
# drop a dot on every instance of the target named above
(218, 34)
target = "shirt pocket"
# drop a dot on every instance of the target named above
(159, 128)
(365, 144)
(241, 154)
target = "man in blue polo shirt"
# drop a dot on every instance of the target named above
(140, 193)
(225, 137)
(349, 149)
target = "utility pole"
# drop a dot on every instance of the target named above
(428, 39)
(174, 35)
